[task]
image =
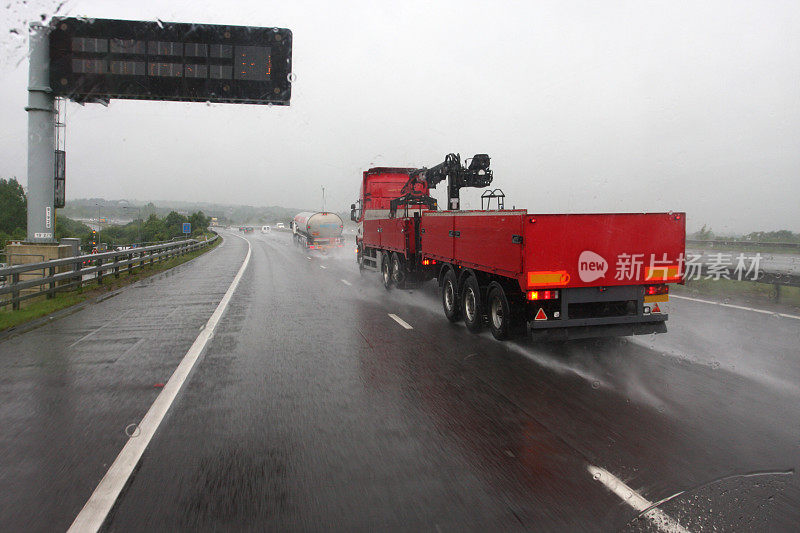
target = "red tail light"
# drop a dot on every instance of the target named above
(650, 290)
(542, 295)
(426, 262)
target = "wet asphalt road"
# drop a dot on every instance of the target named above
(312, 409)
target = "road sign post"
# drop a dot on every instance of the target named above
(41, 140)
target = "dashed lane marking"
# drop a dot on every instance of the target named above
(92, 333)
(740, 307)
(346, 282)
(656, 516)
(101, 501)
(323, 266)
(400, 321)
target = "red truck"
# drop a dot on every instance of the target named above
(552, 276)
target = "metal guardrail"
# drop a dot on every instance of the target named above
(72, 271)
(744, 244)
(770, 278)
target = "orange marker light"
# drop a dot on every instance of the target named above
(663, 273)
(548, 278)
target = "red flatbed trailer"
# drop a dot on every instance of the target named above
(555, 275)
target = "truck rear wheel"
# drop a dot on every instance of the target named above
(471, 305)
(499, 312)
(450, 301)
(360, 258)
(398, 271)
(386, 271)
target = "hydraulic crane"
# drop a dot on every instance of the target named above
(475, 174)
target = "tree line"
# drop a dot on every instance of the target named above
(154, 229)
(784, 235)
(14, 223)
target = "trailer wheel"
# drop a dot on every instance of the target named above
(450, 301)
(499, 312)
(471, 305)
(386, 271)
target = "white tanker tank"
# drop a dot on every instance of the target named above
(321, 230)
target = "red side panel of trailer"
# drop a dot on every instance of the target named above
(490, 241)
(436, 235)
(485, 240)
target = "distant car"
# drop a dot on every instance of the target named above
(280, 225)
(248, 229)
(265, 229)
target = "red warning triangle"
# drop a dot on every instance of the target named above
(540, 315)
(656, 309)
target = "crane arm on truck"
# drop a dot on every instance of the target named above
(476, 174)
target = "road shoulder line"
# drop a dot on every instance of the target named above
(732, 306)
(96, 509)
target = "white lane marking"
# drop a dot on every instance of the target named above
(659, 518)
(308, 258)
(91, 333)
(400, 321)
(346, 282)
(132, 348)
(101, 501)
(323, 266)
(732, 306)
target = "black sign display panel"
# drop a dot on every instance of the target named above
(100, 59)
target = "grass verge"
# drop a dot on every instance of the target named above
(37, 309)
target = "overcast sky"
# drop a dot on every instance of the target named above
(583, 107)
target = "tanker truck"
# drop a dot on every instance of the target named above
(317, 231)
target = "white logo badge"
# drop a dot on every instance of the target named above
(591, 266)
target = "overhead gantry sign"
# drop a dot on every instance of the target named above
(99, 59)
(96, 60)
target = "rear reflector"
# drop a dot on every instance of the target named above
(426, 262)
(542, 295)
(548, 278)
